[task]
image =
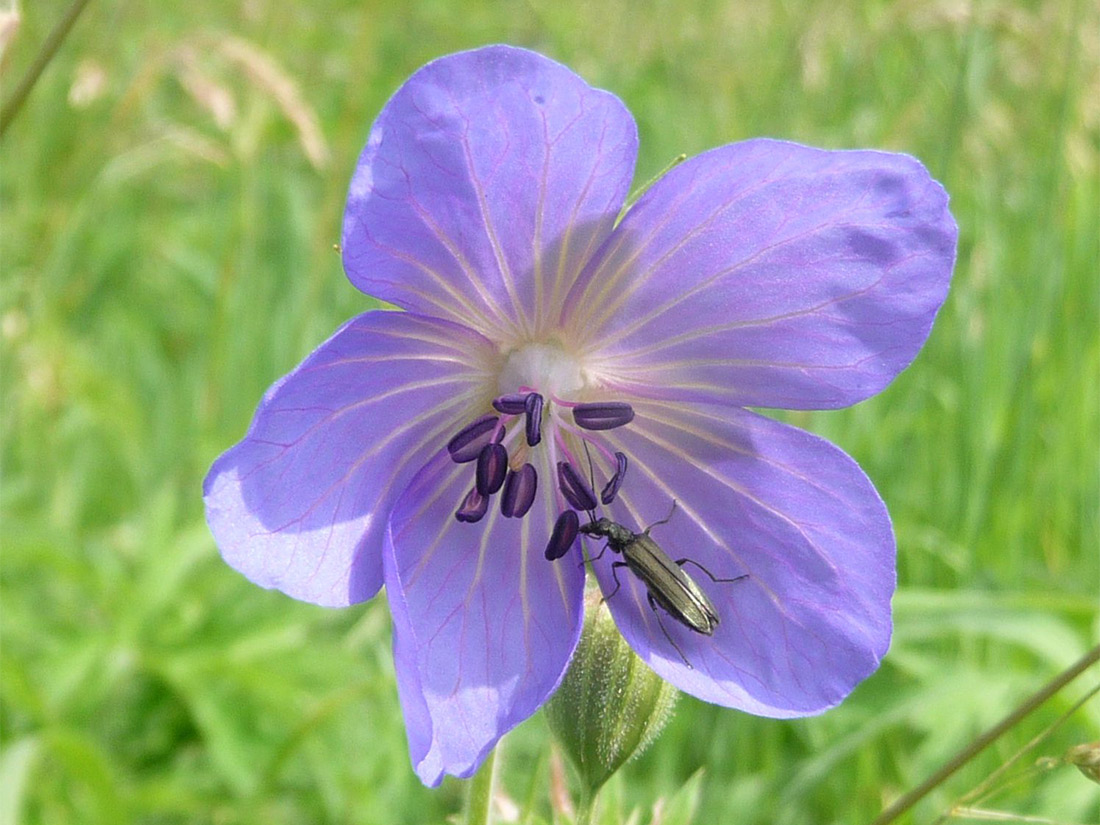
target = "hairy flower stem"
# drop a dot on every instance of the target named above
(914, 796)
(585, 806)
(479, 791)
(45, 55)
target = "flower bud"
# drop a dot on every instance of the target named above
(610, 705)
(1087, 759)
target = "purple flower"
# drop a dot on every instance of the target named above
(434, 450)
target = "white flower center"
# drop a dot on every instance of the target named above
(544, 368)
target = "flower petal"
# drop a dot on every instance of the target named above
(757, 497)
(488, 180)
(301, 503)
(770, 274)
(483, 625)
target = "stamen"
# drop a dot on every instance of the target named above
(604, 415)
(565, 533)
(473, 508)
(468, 443)
(513, 404)
(574, 488)
(607, 495)
(532, 406)
(519, 492)
(492, 465)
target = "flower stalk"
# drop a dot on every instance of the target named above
(479, 791)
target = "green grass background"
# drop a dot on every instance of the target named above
(166, 249)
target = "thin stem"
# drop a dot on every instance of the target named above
(49, 48)
(479, 792)
(983, 788)
(914, 796)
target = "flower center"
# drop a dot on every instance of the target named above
(547, 367)
(536, 421)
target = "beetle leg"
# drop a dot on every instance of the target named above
(713, 578)
(615, 576)
(653, 606)
(665, 520)
(604, 550)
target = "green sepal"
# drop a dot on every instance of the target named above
(633, 197)
(610, 705)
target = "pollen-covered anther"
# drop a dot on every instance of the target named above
(468, 443)
(532, 407)
(473, 508)
(574, 488)
(603, 415)
(492, 465)
(519, 492)
(512, 404)
(563, 536)
(611, 489)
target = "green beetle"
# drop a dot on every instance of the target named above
(667, 583)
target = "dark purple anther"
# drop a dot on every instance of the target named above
(492, 465)
(519, 492)
(574, 488)
(565, 533)
(604, 415)
(532, 405)
(473, 508)
(608, 494)
(512, 404)
(467, 445)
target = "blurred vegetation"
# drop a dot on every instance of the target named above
(171, 193)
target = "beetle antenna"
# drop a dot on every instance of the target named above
(665, 520)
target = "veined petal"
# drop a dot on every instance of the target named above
(793, 512)
(488, 180)
(484, 625)
(770, 274)
(301, 503)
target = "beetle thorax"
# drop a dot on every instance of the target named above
(617, 535)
